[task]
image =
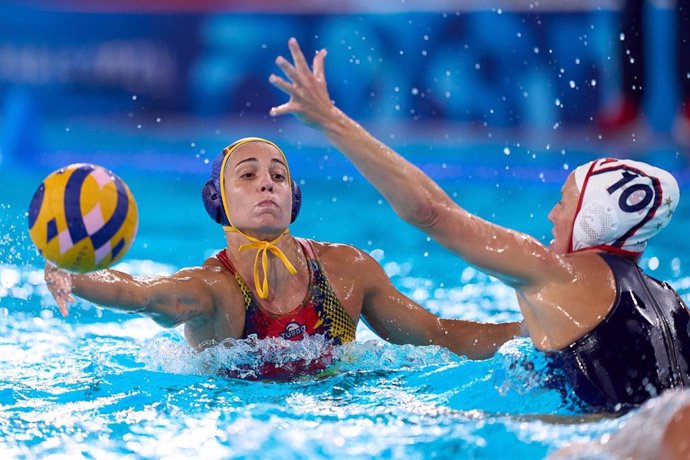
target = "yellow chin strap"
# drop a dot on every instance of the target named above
(262, 247)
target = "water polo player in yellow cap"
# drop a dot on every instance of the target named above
(270, 284)
(619, 335)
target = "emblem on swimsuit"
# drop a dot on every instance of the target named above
(293, 330)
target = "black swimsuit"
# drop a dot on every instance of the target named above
(640, 349)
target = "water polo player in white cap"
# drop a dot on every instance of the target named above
(298, 287)
(620, 336)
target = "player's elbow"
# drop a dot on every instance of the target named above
(423, 214)
(166, 320)
(167, 312)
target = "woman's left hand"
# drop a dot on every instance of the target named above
(309, 98)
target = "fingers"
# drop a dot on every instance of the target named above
(287, 68)
(281, 84)
(63, 308)
(297, 55)
(281, 110)
(306, 89)
(60, 287)
(318, 65)
(63, 300)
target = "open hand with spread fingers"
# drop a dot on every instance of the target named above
(309, 98)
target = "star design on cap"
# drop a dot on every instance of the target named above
(669, 201)
(658, 225)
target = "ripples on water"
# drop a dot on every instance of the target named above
(108, 385)
(124, 388)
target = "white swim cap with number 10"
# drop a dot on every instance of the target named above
(622, 204)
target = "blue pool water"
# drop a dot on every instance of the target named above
(101, 384)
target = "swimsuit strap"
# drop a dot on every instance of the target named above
(307, 247)
(340, 325)
(247, 295)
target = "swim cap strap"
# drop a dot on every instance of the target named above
(227, 152)
(212, 194)
(263, 247)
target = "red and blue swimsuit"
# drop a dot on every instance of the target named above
(320, 313)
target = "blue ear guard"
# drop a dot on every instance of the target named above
(210, 194)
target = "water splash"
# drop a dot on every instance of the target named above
(313, 356)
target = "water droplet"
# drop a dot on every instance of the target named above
(377, 254)
(653, 263)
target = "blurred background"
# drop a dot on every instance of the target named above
(167, 79)
(497, 101)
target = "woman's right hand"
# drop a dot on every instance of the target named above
(59, 284)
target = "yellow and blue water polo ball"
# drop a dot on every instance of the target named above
(83, 218)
